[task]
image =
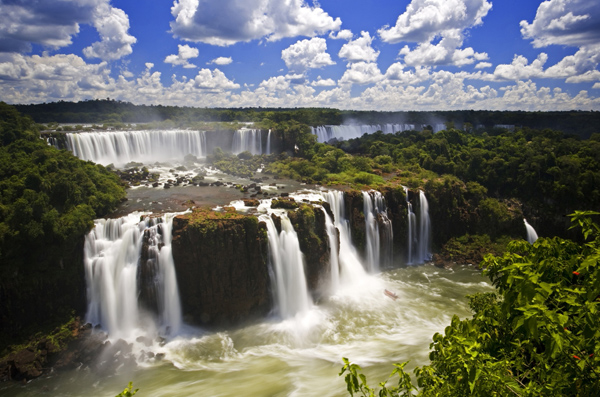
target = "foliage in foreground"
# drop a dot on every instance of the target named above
(128, 391)
(537, 336)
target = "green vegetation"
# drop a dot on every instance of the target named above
(48, 201)
(128, 391)
(537, 335)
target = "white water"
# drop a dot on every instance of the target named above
(269, 142)
(247, 139)
(424, 252)
(412, 230)
(379, 251)
(111, 258)
(121, 147)
(352, 272)
(531, 233)
(325, 133)
(287, 260)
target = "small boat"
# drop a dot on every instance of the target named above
(390, 294)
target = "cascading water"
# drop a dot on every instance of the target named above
(379, 251)
(424, 253)
(121, 147)
(412, 229)
(247, 139)
(287, 260)
(351, 269)
(332, 235)
(325, 133)
(269, 142)
(531, 233)
(112, 258)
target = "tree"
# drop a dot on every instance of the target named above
(537, 335)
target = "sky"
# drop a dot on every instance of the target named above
(348, 54)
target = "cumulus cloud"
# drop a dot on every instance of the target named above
(596, 86)
(564, 22)
(183, 56)
(359, 50)
(323, 82)
(51, 24)
(307, 54)
(521, 69)
(344, 34)
(361, 73)
(112, 25)
(221, 61)
(227, 22)
(483, 65)
(214, 81)
(426, 21)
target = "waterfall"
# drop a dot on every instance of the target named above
(287, 260)
(334, 263)
(325, 133)
(412, 229)
(424, 253)
(247, 139)
(531, 233)
(378, 251)
(121, 147)
(112, 256)
(351, 269)
(269, 142)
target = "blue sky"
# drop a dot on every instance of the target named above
(348, 54)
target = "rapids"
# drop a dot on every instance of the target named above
(299, 356)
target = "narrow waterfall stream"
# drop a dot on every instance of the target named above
(288, 263)
(532, 235)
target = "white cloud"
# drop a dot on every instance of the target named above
(51, 24)
(483, 65)
(323, 82)
(424, 21)
(214, 81)
(307, 54)
(564, 22)
(359, 50)
(521, 69)
(587, 77)
(397, 75)
(227, 22)
(221, 61)
(183, 56)
(115, 42)
(596, 86)
(344, 34)
(361, 73)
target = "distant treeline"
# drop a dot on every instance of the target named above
(581, 123)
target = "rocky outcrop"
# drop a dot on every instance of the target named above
(309, 223)
(221, 265)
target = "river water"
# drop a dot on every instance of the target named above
(300, 356)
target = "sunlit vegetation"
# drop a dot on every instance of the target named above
(48, 201)
(537, 335)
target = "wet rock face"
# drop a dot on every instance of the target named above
(309, 224)
(222, 267)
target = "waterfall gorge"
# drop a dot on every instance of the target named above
(132, 291)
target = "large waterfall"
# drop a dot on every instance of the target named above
(112, 258)
(247, 139)
(531, 233)
(121, 147)
(287, 260)
(325, 133)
